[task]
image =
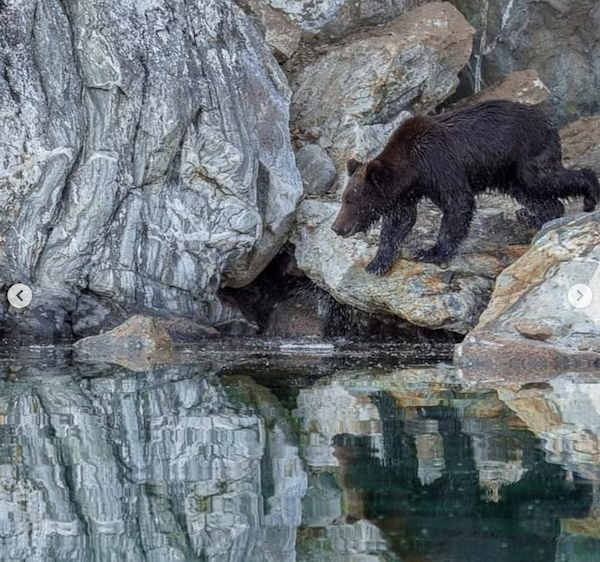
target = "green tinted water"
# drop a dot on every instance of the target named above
(278, 454)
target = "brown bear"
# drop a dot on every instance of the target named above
(498, 146)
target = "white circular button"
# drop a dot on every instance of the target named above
(580, 295)
(19, 295)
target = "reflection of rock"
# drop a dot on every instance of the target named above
(369, 78)
(361, 541)
(325, 411)
(566, 416)
(322, 504)
(535, 288)
(430, 449)
(489, 473)
(165, 466)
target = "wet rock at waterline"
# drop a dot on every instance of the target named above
(529, 317)
(109, 185)
(138, 344)
(369, 78)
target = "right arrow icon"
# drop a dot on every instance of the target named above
(580, 295)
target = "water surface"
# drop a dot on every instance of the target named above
(279, 453)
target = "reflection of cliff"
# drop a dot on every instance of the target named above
(443, 473)
(167, 466)
(565, 414)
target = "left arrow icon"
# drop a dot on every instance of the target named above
(19, 296)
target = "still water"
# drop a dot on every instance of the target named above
(252, 456)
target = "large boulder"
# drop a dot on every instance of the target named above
(423, 294)
(138, 344)
(145, 157)
(559, 38)
(316, 168)
(370, 78)
(530, 318)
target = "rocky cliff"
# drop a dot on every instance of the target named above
(147, 149)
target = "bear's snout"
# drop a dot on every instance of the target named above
(341, 227)
(339, 230)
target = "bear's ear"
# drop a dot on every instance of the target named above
(352, 165)
(377, 173)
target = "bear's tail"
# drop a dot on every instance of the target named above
(581, 183)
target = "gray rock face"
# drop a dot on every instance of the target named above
(336, 18)
(317, 170)
(144, 156)
(281, 33)
(558, 38)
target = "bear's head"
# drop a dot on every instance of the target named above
(363, 200)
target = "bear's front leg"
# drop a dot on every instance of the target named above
(453, 230)
(394, 229)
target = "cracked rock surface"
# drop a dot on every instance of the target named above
(144, 158)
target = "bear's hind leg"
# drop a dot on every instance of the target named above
(537, 212)
(580, 183)
(394, 229)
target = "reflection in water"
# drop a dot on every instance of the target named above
(165, 466)
(184, 464)
(416, 467)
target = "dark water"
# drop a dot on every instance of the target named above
(253, 455)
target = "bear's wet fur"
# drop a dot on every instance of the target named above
(497, 146)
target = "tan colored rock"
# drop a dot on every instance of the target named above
(534, 291)
(138, 344)
(282, 35)
(524, 86)
(581, 143)
(537, 329)
(370, 77)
